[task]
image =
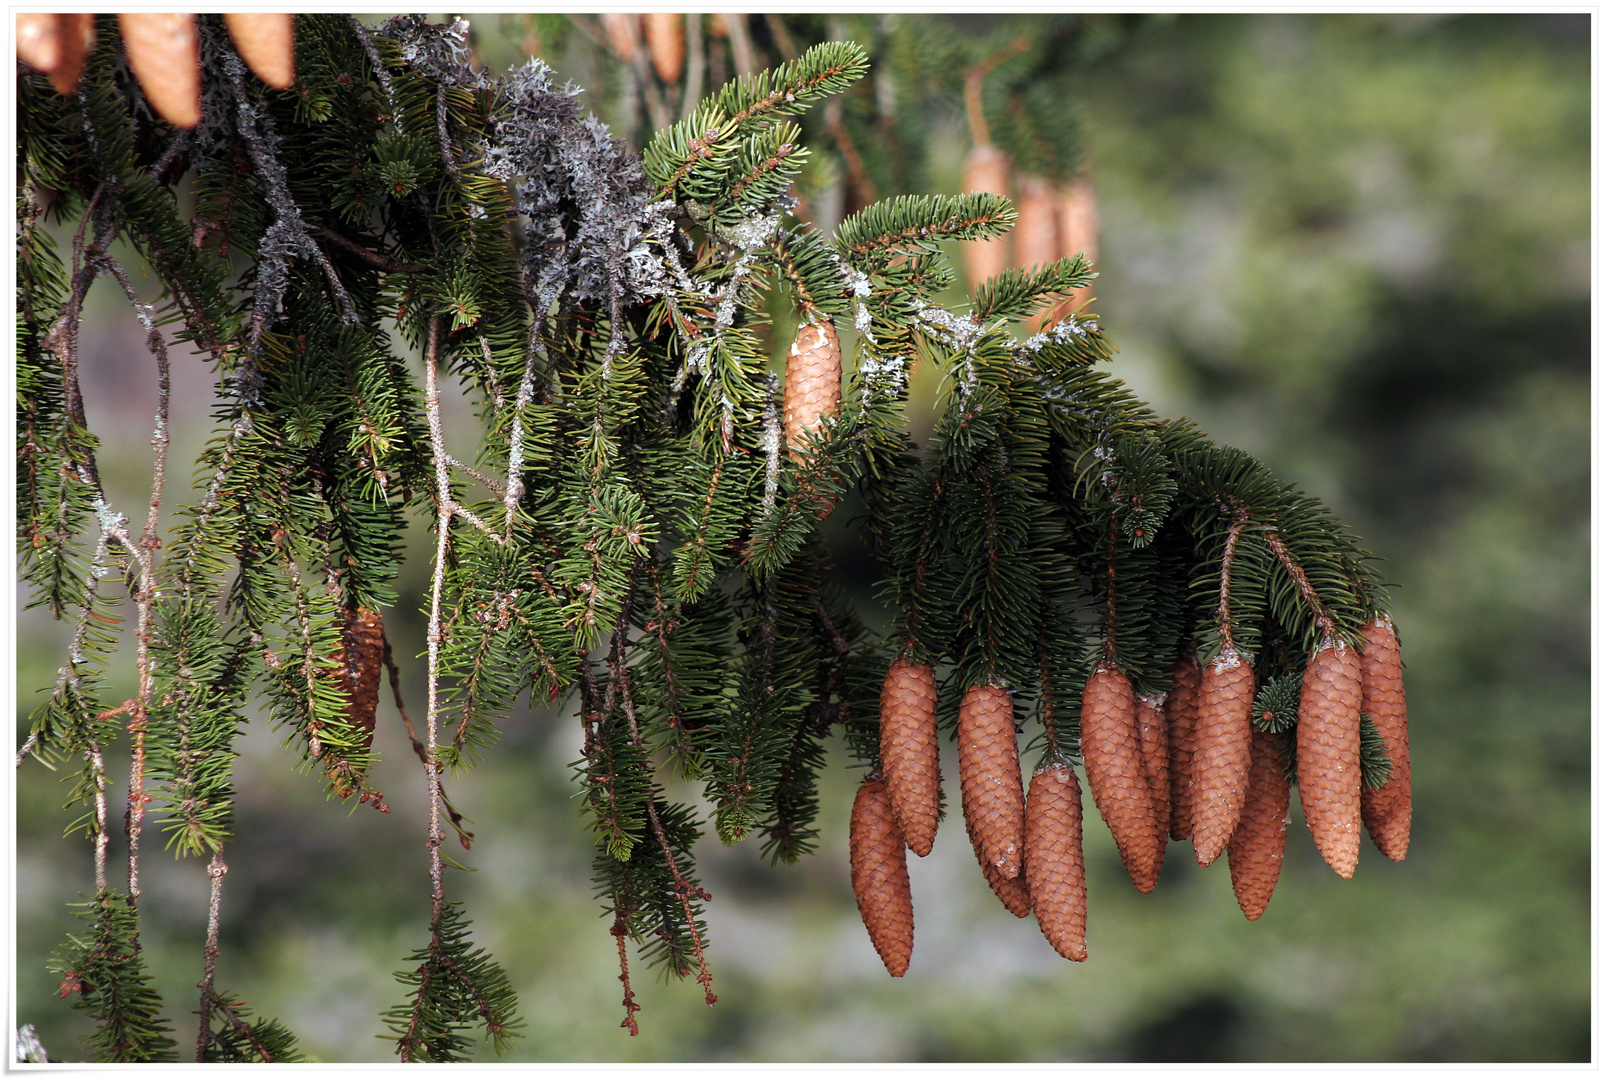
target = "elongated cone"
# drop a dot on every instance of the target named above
(1012, 891)
(165, 53)
(1036, 237)
(1153, 753)
(1180, 709)
(267, 43)
(1116, 772)
(1256, 853)
(881, 882)
(624, 33)
(813, 385)
(1055, 859)
(910, 751)
(991, 777)
(1328, 753)
(986, 170)
(363, 641)
(1387, 812)
(39, 41)
(1079, 230)
(1221, 764)
(77, 39)
(665, 31)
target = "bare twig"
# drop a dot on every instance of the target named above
(465, 837)
(742, 46)
(444, 506)
(215, 871)
(1225, 627)
(695, 63)
(373, 258)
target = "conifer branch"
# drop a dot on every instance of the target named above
(434, 632)
(1320, 613)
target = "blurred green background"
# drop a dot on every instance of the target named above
(1358, 246)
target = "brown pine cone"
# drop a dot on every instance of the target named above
(1153, 754)
(813, 386)
(1180, 709)
(666, 32)
(1116, 773)
(1054, 860)
(165, 53)
(363, 641)
(1036, 236)
(991, 777)
(1256, 853)
(624, 33)
(910, 751)
(986, 170)
(1012, 891)
(1079, 230)
(1221, 763)
(39, 41)
(1388, 811)
(1328, 753)
(881, 882)
(267, 43)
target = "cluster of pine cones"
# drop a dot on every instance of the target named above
(1189, 764)
(163, 49)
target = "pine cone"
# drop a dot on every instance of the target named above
(814, 382)
(267, 43)
(1036, 237)
(363, 638)
(881, 882)
(1180, 709)
(1079, 229)
(1054, 860)
(624, 33)
(986, 170)
(910, 751)
(991, 777)
(1153, 755)
(665, 32)
(1388, 811)
(1221, 763)
(1116, 773)
(1256, 853)
(1328, 753)
(55, 45)
(165, 53)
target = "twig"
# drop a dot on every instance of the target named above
(475, 474)
(215, 871)
(432, 766)
(695, 64)
(1225, 628)
(742, 46)
(1309, 595)
(779, 34)
(465, 837)
(373, 258)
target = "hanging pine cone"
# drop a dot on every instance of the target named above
(267, 43)
(1180, 709)
(1079, 230)
(1153, 754)
(991, 777)
(986, 170)
(881, 882)
(1054, 860)
(165, 53)
(910, 751)
(813, 386)
(363, 639)
(1220, 765)
(666, 32)
(624, 33)
(1256, 853)
(1328, 753)
(1116, 773)
(1387, 811)
(55, 45)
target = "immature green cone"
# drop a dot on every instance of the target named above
(1181, 709)
(910, 751)
(1328, 753)
(1256, 853)
(1055, 859)
(991, 777)
(1117, 774)
(1221, 764)
(1388, 811)
(813, 385)
(1153, 753)
(877, 873)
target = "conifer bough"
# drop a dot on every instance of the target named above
(631, 537)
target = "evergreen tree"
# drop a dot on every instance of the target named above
(639, 528)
